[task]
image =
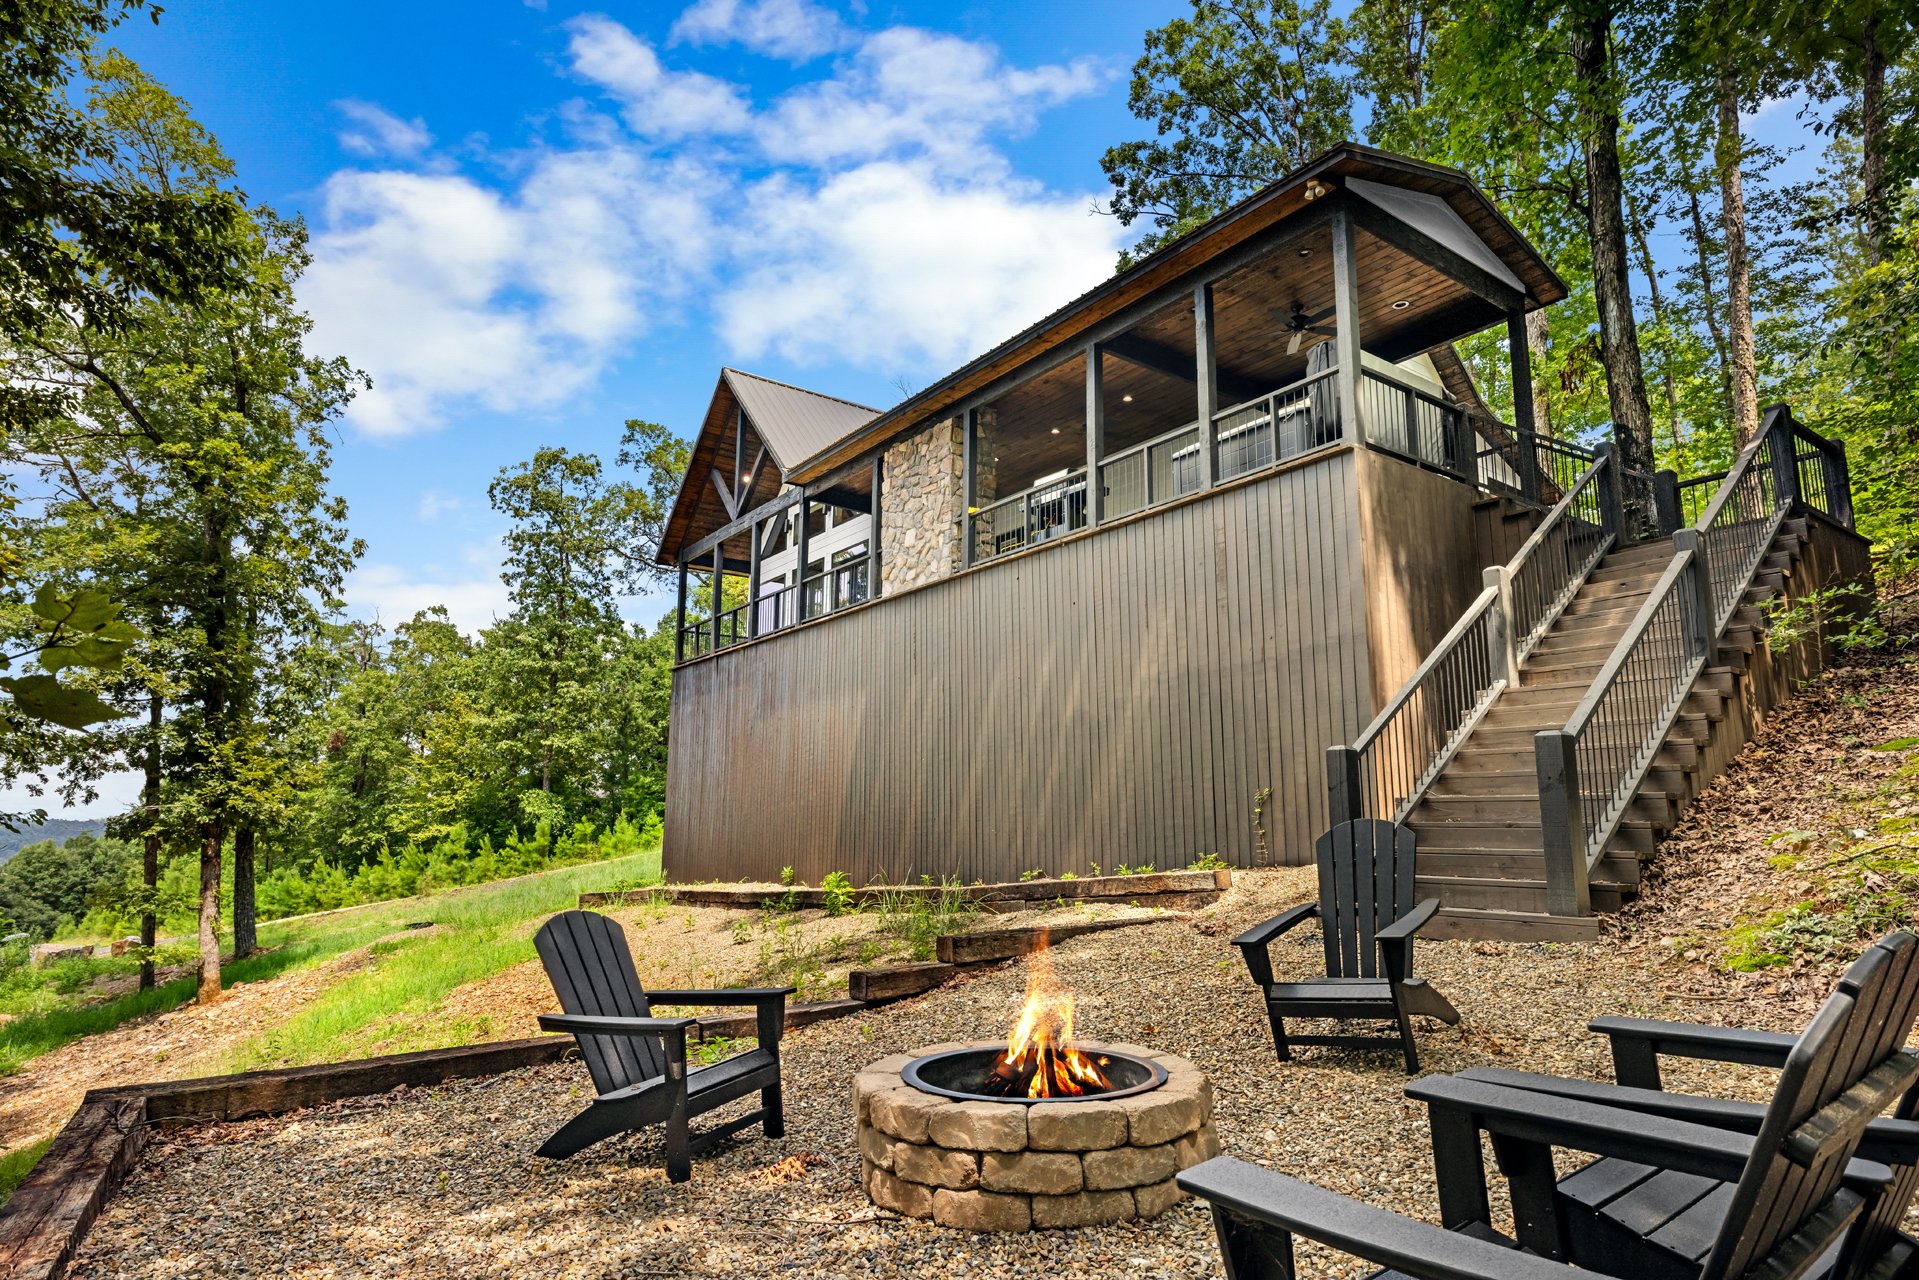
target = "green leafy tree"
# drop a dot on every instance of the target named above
(1237, 93)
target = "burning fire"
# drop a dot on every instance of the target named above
(1041, 1060)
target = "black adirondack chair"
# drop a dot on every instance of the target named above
(1692, 1201)
(1877, 1247)
(1367, 920)
(637, 1061)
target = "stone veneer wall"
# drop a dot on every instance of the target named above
(920, 505)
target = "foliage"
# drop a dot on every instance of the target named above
(18, 1163)
(839, 897)
(1237, 93)
(47, 884)
(917, 919)
(1208, 862)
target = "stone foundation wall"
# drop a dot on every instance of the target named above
(1006, 1166)
(920, 505)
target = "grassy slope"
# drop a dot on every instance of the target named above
(477, 929)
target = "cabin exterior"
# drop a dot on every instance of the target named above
(1108, 593)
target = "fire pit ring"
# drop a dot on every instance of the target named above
(982, 1163)
(944, 1074)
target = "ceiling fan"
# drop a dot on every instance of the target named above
(1299, 324)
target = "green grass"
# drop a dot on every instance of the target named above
(478, 938)
(17, 1164)
(480, 934)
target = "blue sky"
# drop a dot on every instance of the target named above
(533, 221)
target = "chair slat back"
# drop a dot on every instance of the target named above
(591, 969)
(1365, 884)
(1781, 1208)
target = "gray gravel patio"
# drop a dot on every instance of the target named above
(442, 1182)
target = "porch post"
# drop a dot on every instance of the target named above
(873, 530)
(1095, 433)
(1207, 375)
(753, 579)
(1521, 356)
(679, 617)
(969, 434)
(800, 540)
(719, 587)
(1346, 323)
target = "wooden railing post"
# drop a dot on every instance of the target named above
(1705, 629)
(679, 618)
(803, 549)
(1556, 757)
(1612, 514)
(1665, 497)
(1785, 462)
(1342, 786)
(1529, 466)
(1505, 622)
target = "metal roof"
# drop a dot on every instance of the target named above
(795, 423)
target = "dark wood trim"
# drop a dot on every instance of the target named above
(1095, 432)
(802, 546)
(1151, 355)
(679, 616)
(873, 531)
(727, 500)
(1521, 358)
(1346, 318)
(1415, 243)
(1205, 347)
(753, 537)
(733, 528)
(969, 482)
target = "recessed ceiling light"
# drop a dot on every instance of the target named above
(1126, 399)
(1401, 305)
(1306, 253)
(1055, 430)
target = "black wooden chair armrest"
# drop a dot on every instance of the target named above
(1261, 934)
(1887, 1141)
(735, 995)
(1253, 943)
(1282, 1204)
(769, 1002)
(1638, 1042)
(585, 1025)
(1404, 928)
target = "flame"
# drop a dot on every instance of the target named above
(1041, 1060)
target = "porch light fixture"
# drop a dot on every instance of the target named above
(1401, 305)
(1315, 189)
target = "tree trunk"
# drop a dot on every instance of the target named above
(1650, 269)
(1872, 141)
(245, 909)
(1743, 375)
(211, 837)
(1702, 264)
(1612, 285)
(150, 840)
(1540, 342)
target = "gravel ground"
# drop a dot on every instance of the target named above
(441, 1182)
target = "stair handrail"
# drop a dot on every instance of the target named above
(1590, 769)
(1393, 761)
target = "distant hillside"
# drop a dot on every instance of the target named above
(56, 829)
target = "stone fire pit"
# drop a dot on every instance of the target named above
(1014, 1166)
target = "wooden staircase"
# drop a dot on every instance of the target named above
(1481, 848)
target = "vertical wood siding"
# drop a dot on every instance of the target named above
(1120, 697)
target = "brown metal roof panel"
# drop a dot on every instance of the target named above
(795, 423)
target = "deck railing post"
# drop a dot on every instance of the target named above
(1346, 324)
(1206, 375)
(1342, 786)
(1505, 623)
(719, 590)
(802, 549)
(679, 618)
(1839, 481)
(1556, 759)
(1705, 631)
(873, 530)
(1665, 496)
(969, 535)
(1529, 483)
(1785, 462)
(1612, 515)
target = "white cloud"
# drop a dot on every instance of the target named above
(450, 292)
(912, 91)
(797, 30)
(890, 265)
(869, 216)
(393, 595)
(375, 131)
(435, 503)
(659, 103)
